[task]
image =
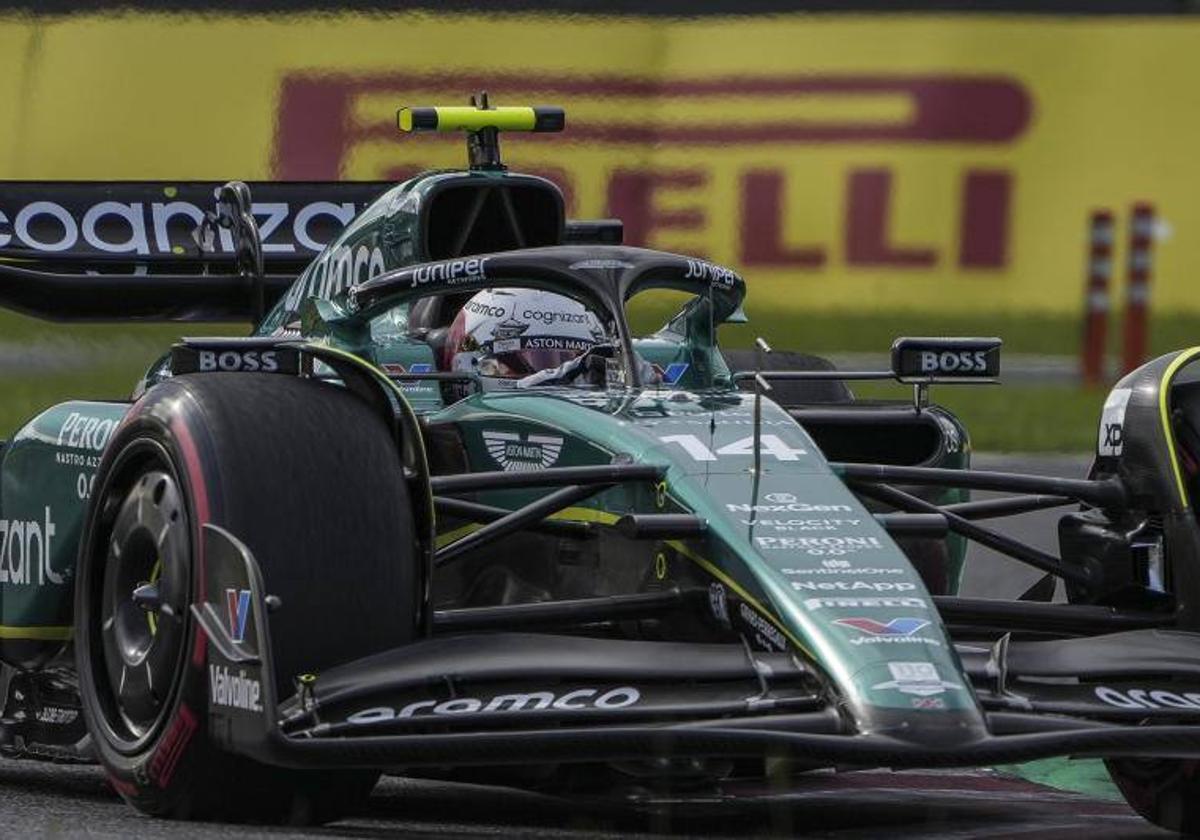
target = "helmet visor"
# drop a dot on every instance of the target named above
(519, 363)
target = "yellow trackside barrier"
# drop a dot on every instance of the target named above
(939, 163)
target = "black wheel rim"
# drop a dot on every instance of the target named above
(148, 544)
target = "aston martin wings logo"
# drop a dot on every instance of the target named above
(516, 453)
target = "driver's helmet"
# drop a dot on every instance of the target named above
(508, 334)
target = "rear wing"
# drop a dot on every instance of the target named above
(174, 251)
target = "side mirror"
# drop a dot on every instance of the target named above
(921, 360)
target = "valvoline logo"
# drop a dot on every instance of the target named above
(673, 372)
(395, 369)
(895, 627)
(237, 603)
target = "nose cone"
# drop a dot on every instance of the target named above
(919, 702)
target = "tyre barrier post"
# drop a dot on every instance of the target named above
(1096, 297)
(1137, 288)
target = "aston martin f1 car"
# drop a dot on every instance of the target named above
(291, 561)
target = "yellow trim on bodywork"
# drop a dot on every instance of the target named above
(38, 634)
(583, 514)
(1163, 387)
(575, 514)
(742, 593)
(151, 617)
(456, 534)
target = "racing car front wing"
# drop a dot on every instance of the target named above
(507, 698)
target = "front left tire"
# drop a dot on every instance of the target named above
(309, 478)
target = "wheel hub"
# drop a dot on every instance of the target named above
(144, 596)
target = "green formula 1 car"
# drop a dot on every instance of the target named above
(444, 511)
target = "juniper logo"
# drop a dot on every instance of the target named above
(516, 453)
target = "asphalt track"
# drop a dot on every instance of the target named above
(46, 801)
(989, 574)
(42, 801)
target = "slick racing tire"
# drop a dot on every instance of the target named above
(309, 479)
(1164, 791)
(791, 392)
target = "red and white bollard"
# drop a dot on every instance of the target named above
(1137, 287)
(1096, 300)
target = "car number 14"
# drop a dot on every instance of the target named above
(770, 444)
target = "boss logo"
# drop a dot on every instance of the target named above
(229, 356)
(925, 359)
(233, 360)
(966, 361)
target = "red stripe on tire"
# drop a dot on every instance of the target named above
(195, 476)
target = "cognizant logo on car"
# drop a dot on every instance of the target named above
(579, 699)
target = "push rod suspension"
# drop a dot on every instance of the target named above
(814, 374)
(556, 477)
(1106, 493)
(520, 518)
(1008, 506)
(566, 613)
(1064, 619)
(477, 512)
(1005, 545)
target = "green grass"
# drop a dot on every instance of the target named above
(794, 328)
(26, 395)
(1007, 418)
(1020, 417)
(1022, 333)
(1016, 418)
(1086, 776)
(99, 361)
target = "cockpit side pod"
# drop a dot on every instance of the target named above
(46, 480)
